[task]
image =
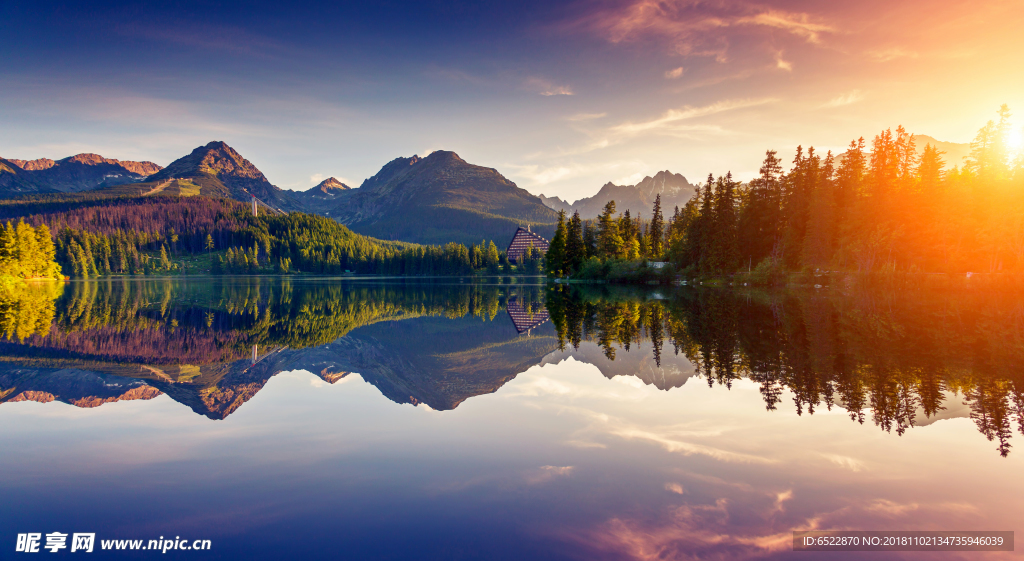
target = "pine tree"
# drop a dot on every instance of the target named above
(627, 233)
(725, 236)
(48, 267)
(575, 248)
(555, 261)
(165, 263)
(819, 242)
(590, 241)
(208, 246)
(800, 183)
(608, 239)
(929, 171)
(655, 231)
(701, 236)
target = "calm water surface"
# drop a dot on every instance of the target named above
(382, 419)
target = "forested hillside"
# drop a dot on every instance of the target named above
(146, 235)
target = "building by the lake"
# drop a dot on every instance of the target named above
(522, 241)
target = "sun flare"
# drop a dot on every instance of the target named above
(1015, 142)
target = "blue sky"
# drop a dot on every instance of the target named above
(559, 97)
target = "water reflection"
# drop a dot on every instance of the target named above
(213, 346)
(897, 361)
(904, 360)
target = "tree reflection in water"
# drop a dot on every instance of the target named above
(898, 357)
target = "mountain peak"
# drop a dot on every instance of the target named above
(330, 185)
(225, 173)
(444, 156)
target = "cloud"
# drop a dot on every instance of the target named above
(675, 488)
(210, 37)
(782, 64)
(885, 55)
(696, 28)
(586, 117)
(316, 178)
(543, 474)
(558, 90)
(672, 117)
(537, 175)
(672, 444)
(700, 531)
(546, 88)
(674, 73)
(845, 99)
(846, 462)
(797, 24)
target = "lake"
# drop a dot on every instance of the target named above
(317, 418)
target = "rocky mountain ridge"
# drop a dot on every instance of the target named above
(638, 199)
(138, 168)
(77, 173)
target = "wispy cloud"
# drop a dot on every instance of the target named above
(674, 73)
(586, 117)
(546, 87)
(210, 37)
(893, 53)
(673, 117)
(845, 462)
(672, 443)
(697, 28)
(845, 99)
(797, 24)
(543, 474)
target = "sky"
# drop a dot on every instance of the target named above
(560, 97)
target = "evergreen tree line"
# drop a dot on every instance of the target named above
(149, 235)
(883, 208)
(872, 354)
(27, 252)
(887, 208)
(609, 237)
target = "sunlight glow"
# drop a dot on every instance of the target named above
(1015, 141)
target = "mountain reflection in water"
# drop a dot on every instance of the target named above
(212, 345)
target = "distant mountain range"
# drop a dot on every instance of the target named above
(435, 199)
(955, 152)
(638, 199)
(70, 175)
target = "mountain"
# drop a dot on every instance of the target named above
(82, 172)
(141, 169)
(15, 181)
(77, 387)
(673, 188)
(955, 152)
(321, 198)
(217, 170)
(438, 199)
